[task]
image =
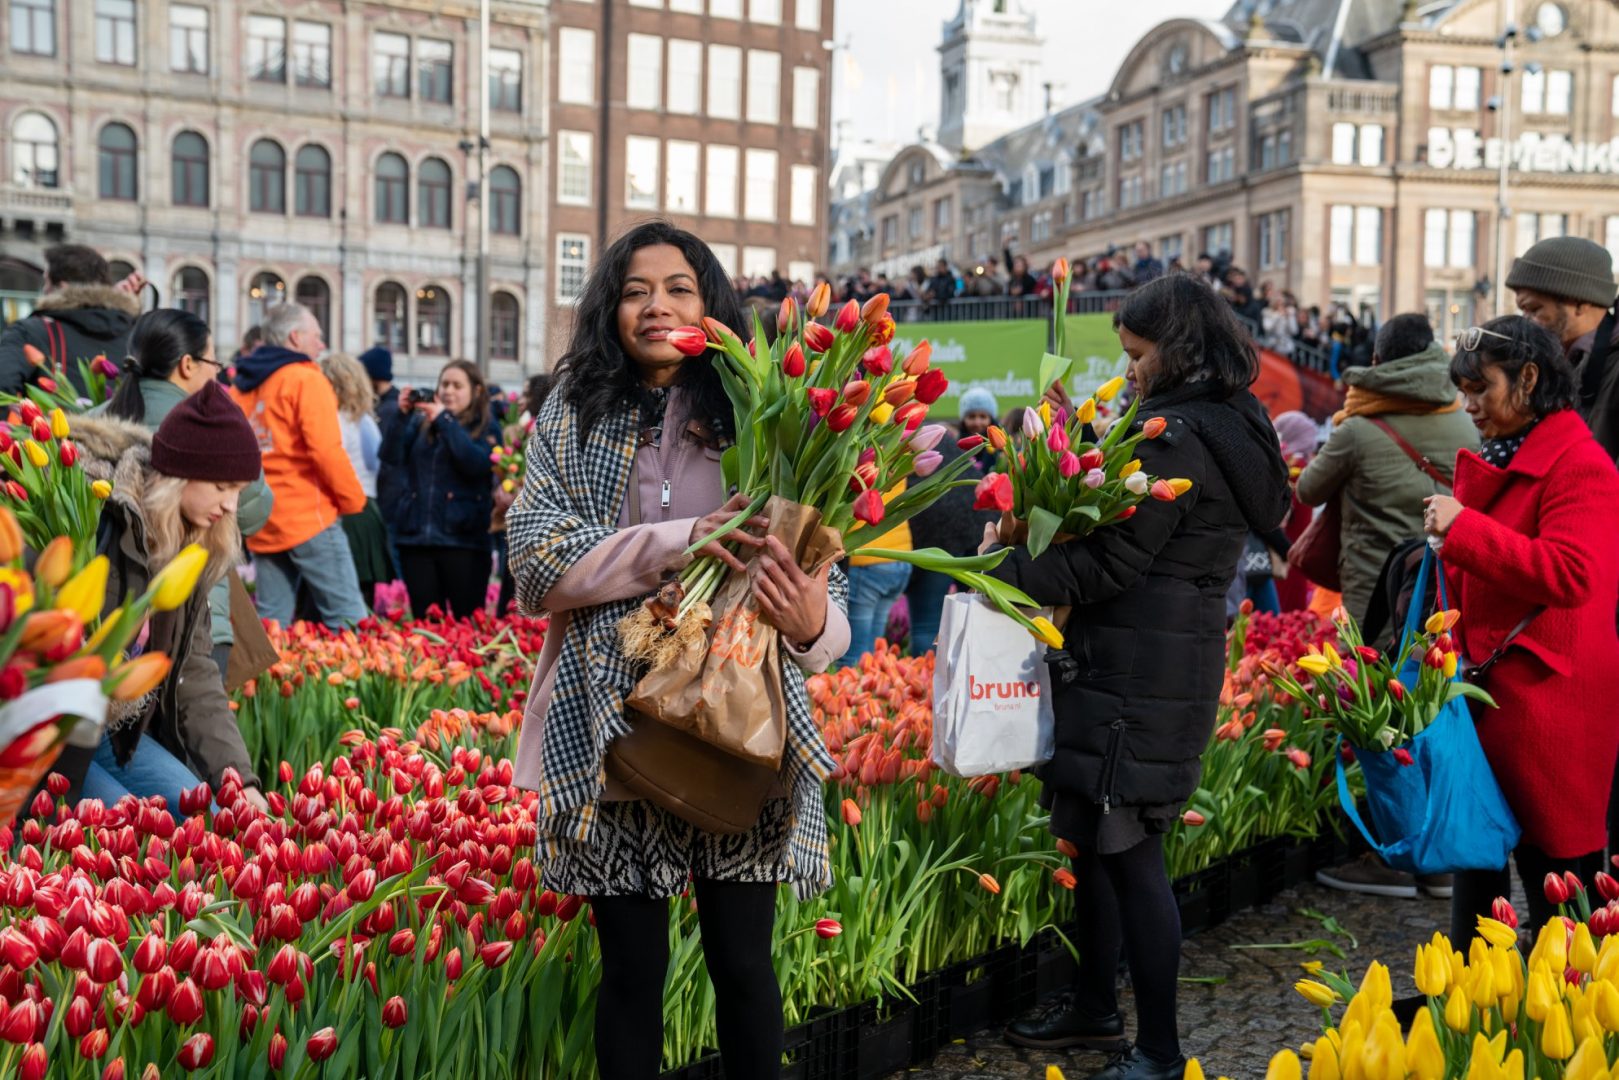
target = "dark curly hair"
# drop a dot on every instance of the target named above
(1512, 343)
(1195, 332)
(595, 376)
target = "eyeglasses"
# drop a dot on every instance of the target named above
(206, 360)
(1470, 339)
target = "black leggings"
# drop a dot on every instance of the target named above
(456, 579)
(736, 921)
(1126, 899)
(1476, 890)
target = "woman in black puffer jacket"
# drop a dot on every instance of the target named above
(1136, 693)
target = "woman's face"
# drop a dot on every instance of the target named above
(195, 372)
(659, 295)
(976, 423)
(1144, 365)
(454, 390)
(203, 502)
(1493, 403)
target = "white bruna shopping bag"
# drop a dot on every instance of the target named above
(991, 692)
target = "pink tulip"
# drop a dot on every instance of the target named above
(1095, 478)
(927, 438)
(1068, 465)
(927, 463)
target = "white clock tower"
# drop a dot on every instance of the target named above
(990, 73)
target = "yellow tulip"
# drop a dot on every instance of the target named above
(1512, 1067)
(100, 636)
(1556, 1037)
(1458, 1014)
(1284, 1066)
(87, 591)
(1045, 413)
(1508, 971)
(1312, 967)
(1423, 1054)
(1605, 1004)
(1324, 1060)
(1131, 467)
(1608, 959)
(1320, 995)
(1110, 389)
(59, 428)
(1054, 1073)
(1332, 658)
(175, 581)
(1440, 621)
(100, 489)
(1584, 1019)
(1497, 933)
(1352, 1049)
(1194, 1071)
(881, 413)
(36, 454)
(1432, 971)
(22, 588)
(55, 563)
(1086, 412)
(1384, 1056)
(1180, 486)
(1046, 631)
(1588, 1063)
(1315, 665)
(1551, 947)
(1481, 985)
(1450, 665)
(1583, 956)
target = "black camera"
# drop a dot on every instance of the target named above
(419, 397)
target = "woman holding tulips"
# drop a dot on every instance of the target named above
(1136, 694)
(1530, 563)
(623, 476)
(171, 488)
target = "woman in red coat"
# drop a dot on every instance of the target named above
(1529, 543)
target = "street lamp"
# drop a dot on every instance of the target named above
(1503, 109)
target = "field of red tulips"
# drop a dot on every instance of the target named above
(384, 919)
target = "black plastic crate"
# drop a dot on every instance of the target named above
(706, 1067)
(1058, 967)
(883, 1042)
(931, 1017)
(821, 1048)
(1204, 897)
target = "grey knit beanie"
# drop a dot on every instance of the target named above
(978, 399)
(1570, 267)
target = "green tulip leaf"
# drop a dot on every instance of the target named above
(1043, 527)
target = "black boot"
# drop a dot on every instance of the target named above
(1129, 1063)
(1061, 1026)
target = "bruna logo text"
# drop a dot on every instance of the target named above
(980, 691)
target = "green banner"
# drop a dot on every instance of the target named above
(1003, 356)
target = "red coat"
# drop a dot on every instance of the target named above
(1544, 530)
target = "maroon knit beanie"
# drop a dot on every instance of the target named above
(206, 437)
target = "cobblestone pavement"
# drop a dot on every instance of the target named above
(1234, 1027)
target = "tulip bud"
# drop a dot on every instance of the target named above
(828, 928)
(1068, 466)
(277, 1054)
(1033, 425)
(322, 1044)
(173, 584)
(841, 418)
(851, 813)
(820, 299)
(136, 678)
(997, 438)
(1556, 889)
(11, 541)
(848, 318)
(927, 463)
(55, 563)
(873, 310)
(395, 1012)
(931, 385)
(820, 399)
(688, 340)
(899, 392)
(793, 365)
(34, 1064)
(1059, 270)
(970, 444)
(857, 392)
(877, 360)
(786, 315)
(59, 426)
(817, 338)
(1193, 818)
(33, 355)
(114, 1070)
(1154, 427)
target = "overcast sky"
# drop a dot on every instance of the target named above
(886, 71)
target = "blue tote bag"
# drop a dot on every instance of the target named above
(1444, 812)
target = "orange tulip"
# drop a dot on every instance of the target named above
(52, 632)
(918, 359)
(139, 677)
(11, 542)
(875, 308)
(820, 299)
(989, 884)
(1067, 848)
(848, 318)
(900, 390)
(1154, 427)
(1064, 877)
(1059, 270)
(80, 667)
(33, 355)
(787, 316)
(1193, 818)
(851, 813)
(1162, 491)
(55, 562)
(856, 393)
(997, 438)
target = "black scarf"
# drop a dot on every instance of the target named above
(1238, 433)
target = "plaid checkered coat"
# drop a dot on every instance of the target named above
(570, 502)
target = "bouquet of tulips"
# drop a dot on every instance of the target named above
(1371, 697)
(829, 419)
(55, 391)
(1056, 483)
(509, 462)
(45, 485)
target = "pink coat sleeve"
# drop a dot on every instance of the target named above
(632, 562)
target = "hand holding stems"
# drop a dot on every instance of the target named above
(793, 601)
(709, 524)
(1441, 514)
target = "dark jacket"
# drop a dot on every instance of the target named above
(90, 321)
(447, 495)
(190, 714)
(1137, 687)
(391, 479)
(951, 523)
(1600, 409)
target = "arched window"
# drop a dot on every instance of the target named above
(118, 269)
(191, 292)
(314, 294)
(433, 194)
(189, 165)
(504, 323)
(312, 182)
(390, 316)
(393, 190)
(505, 201)
(35, 158)
(267, 178)
(116, 162)
(266, 292)
(432, 321)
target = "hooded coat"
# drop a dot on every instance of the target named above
(93, 320)
(1381, 488)
(189, 714)
(1136, 689)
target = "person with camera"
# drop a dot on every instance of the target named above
(441, 443)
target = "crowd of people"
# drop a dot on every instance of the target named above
(331, 479)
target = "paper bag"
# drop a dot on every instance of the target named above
(991, 692)
(252, 653)
(725, 688)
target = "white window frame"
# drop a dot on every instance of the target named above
(685, 91)
(725, 9)
(576, 65)
(1368, 235)
(1341, 235)
(801, 195)
(1343, 143)
(758, 260)
(691, 7)
(566, 264)
(725, 255)
(1559, 92)
(1533, 94)
(682, 176)
(1465, 94)
(1435, 237)
(1441, 86)
(761, 167)
(806, 97)
(1369, 145)
(721, 163)
(764, 87)
(767, 12)
(647, 148)
(643, 79)
(725, 82)
(1463, 247)
(807, 14)
(568, 141)
(185, 30)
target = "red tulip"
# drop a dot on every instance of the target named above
(820, 399)
(817, 337)
(1064, 877)
(910, 416)
(1091, 459)
(395, 1012)
(931, 385)
(151, 954)
(793, 364)
(494, 953)
(278, 1051)
(1161, 491)
(114, 1070)
(994, 492)
(1502, 911)
(322, 1044)
(970, 443)
(103, 962)
(841, 418)
(877, 360)
(93, 1044)
(16, 950)
(196, 1052)
(1573, 883)
(869, 507)
(67, 454)
(1403, 756)
(34, 1063)
(1193, 818)
(1606, 885)
(1299, 758)
(184, 950)
(856, 392)
(1396, 689)
(18, 1025)
(185, 1004)
(569, 907)
(1154, 427)
(848, 318)
(786, 315)
(1556, 889)
(688, 340)
(363, 885)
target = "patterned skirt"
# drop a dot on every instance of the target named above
(640, 849)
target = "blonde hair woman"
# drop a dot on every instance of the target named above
(173, 487)
(362, 438)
